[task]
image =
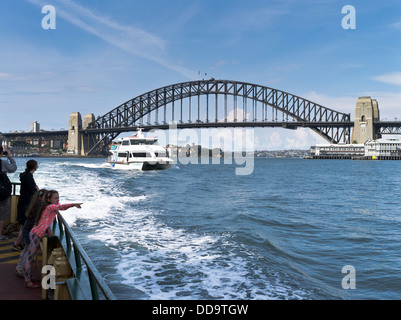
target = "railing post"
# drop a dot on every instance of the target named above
(93, 285)
(68, 242)
(60, 227)
(77, 257)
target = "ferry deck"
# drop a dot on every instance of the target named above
(75, 276)
(12, 286)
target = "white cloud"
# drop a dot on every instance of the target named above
(235, 139)
(237, 114)
(389, 102)
(128, 38)
(396, 25)
(341, 104)
(390, 78)
(299, 140)
(274, 140)
(15, 77)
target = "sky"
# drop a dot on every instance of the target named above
(103, 53)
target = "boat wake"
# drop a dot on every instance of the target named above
(163, 262)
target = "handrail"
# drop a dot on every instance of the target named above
(70, 242)
(14, 187)
(68, 238)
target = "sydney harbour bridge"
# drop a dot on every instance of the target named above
(208, 104)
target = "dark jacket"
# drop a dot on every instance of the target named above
(27, 190)
(28, 187)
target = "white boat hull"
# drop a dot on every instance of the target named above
(139, 153)
(144, 166)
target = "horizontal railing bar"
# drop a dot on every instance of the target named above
(89, 264)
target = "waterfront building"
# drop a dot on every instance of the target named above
(371, 149)
(35, 127)
(336, 151)
(383, 148)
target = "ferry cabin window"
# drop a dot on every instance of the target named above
(138, 142)
(125, 143)
(160, 154)
(140, 155)
(122, 154)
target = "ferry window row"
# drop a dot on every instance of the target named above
(142, 155)
(134, 155)
(138, 142)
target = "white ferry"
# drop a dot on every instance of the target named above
(139, 153)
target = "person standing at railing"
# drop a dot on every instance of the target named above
(47, 213)
(31, 215)
(7, 166)
(27, 190)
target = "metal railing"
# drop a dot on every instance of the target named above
(87, 283)
(14, 188)
(83, 283)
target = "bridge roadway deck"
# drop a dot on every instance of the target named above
(197, 125)
(12, 286)
(186, 125)
(239, 124)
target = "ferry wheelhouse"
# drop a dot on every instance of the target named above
(139, 153)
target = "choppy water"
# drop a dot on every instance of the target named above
(201, 232)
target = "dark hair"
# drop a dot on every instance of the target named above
(45, 203)
(1, 149)
(34, 204)
(30, 165)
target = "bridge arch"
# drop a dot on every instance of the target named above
(218, 103)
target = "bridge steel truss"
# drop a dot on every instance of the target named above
(218, 103)
(388, 127)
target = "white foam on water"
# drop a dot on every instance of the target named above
(159, 260)
(100, 196)
(167, 263)
(90, 165)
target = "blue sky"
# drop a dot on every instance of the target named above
(103, 53)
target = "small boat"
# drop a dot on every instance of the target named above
(139, 153)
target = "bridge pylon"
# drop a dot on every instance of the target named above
(74, 138)
(86, 143)
(366, 114)
(78, 144)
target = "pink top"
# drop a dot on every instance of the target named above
(47, 218)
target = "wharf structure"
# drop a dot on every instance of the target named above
(380, 149)
(383, 149)
(337, 151)
(367, 142)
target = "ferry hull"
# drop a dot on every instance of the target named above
(143, 166)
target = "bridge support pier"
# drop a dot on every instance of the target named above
(366, 113)
(86, 143)
(74, 138)
(77, 144)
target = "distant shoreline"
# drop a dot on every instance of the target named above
(58, 156)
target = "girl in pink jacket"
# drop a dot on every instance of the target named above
(46, 216)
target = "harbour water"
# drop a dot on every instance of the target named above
(202, 232)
